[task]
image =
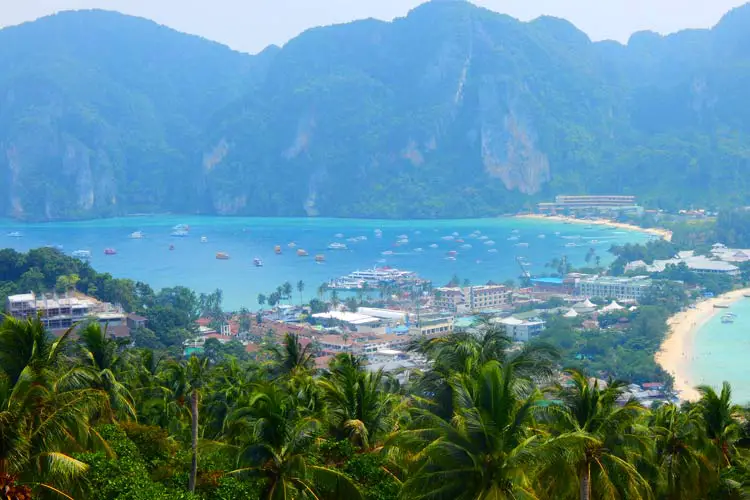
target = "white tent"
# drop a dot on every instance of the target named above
(613, 306)
(570, 314)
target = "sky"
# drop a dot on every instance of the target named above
(251, 25)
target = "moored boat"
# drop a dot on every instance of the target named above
(320, 258)
(137, 235)
(302, 252)
(180, 233)
(292, 244)
(222, 255)
(257, 262)
(337, 246)
(15, 234)
(277, 249)
(204, 239)
(110, 251)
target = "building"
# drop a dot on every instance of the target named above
(521, 330)
(590, 203)
(472, 298)
(433, 325)
(622, 289)
(697, 263)
(58, 313)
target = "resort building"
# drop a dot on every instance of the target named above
(433, 325)
(598, 203)
(698, 263)
(522, 330)
(63, 312)
(622, 289)
(472, 298)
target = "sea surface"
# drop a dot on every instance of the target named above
(720, 353)
(193, 264)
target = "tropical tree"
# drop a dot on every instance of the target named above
(103, 362)
(291, 357)
(261, 300)
(300, 289)
(187, 380)
(286, 290)
(599, 444)
(275, 443)
(720, 422)
(486, 450)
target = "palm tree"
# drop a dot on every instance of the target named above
(300, 289)
(101, 359)
(291, 357)
(720, 422)
(335, 300)
(598, 443)
(286, 290)
(187, 379)
(261, 300)
(679, 444)
(322, 290)
(358, 403)
(276, 444)
(486, 450)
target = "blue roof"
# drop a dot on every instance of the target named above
(401, 329)
(551, 281)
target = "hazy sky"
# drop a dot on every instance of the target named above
(250, 25)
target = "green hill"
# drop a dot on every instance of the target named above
(451, 111)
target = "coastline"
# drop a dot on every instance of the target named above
(676, 351)
(664, 234)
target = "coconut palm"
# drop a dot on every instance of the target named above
(358, 403)
(275, 444)
(101, 358)
(486, 450)
(598, 442)
(187, 380)
(300, 289)
(291, 357)
(720, 422)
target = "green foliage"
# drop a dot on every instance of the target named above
(733, 228)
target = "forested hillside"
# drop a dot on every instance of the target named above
(451, 111)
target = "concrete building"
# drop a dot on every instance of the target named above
(597, 203)
(699, 263)
(472, 298)
(433, 325)
(622, 289)
(58, 313)
(522, 330)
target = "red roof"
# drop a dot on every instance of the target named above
(217, 336)
(203, 321)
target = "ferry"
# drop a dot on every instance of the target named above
(15, 234)
(302, 252)
(320, 258)
(222, 255)
(82, 254)
(375, 278)
(277, 249)
(137, 235)
(337, 246)
(180, 233)
(110, 251)
(257, 262)
(204, 239)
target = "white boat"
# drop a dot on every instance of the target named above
(557, 233)
(489, 242)
(361, 238)
(292, 245)
(492, 250)
(257, 262)
(337, 246)
(466, 246)
(378, 233)
(403, 241)
(448, 238)
(570, 245)
(204, 239)
(181, 227)
(542, 236)
(418, 250)
(137, 235)
(522, 245)
(387, 252)
(180, 233)
(450, 257)
(515, 231)
(434, 245)
(728, 318)
(513, 238)
(15, 234)
(82, 254)
(338, 235)
(352, 240)
(484, 237)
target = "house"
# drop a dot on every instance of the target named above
(135, 321)
(521, 330)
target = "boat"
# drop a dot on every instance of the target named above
(110, 251)
(459, 240)
(594, 242)
(222, 255)
(452, 253)
(721, 306)
(402, 241)
(513, 238)
(301, 252)
(181, 227)
(448, 238)
(450, 257)
(466, 246)
(484, 237)
(82, 254)
(492, 250)
(403, 236)
(137, 235)
(570, 245)
(352, 240)
(257, 262)
(337, 246)
(277, 249)
(489, 242)
(728, 318)
(557, 233)
(418, 250)
(292, 244)
(542, 236)
(338, 235)
(204, 239)
(387, 252)
(434, 245)
(320, 258)
(15, 234)
(522, 245)
(180, 233)
(378, 233)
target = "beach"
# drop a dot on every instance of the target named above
(665, 234)
(676, 352)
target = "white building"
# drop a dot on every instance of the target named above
(699, 264)
(622, 289)
(472, 298)
(522, 330)
(57, 312)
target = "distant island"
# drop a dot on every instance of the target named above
(452, 111)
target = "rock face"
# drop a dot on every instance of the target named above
(452, 111)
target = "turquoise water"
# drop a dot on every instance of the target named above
(193, 264)
(719, 352)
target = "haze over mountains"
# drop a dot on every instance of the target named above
(452, 111)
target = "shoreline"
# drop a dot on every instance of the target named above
(664, 234)
(676, 351)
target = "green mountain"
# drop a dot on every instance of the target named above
(451, 111)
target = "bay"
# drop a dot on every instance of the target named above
(193, 264)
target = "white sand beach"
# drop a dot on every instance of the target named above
(676, 351)
(660, 232)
